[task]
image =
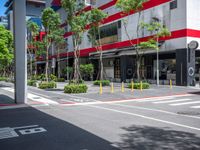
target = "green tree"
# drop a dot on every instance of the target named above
(51, 22)
(33, 29)
(96, 17)
(126, 6)
(77, 23)
(60, 44)
(6, 50)
(159, 31)
(87, 70)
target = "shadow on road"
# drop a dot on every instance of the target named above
(60, 135)
(150, 138)
(4, 99)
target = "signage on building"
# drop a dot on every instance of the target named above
(193, 45)
(191, 71)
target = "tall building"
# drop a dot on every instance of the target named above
(33, 9)
(176, 60)
(3, 21)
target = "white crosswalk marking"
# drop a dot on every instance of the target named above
(172, 101)
(154, 99)
(161, 98)
(187, 103)
(34, 97)
(195, 107)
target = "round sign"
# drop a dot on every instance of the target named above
(193, 45)
(191, 71)
(129, 71)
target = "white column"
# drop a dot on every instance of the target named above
(19, 8)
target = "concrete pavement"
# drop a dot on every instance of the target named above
(156, 119)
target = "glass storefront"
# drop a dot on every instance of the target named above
(167, 69)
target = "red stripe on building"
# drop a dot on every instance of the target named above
(56, 3)
(119, 15)
(174, 35)
(107, 5)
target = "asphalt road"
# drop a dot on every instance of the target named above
(158, 119)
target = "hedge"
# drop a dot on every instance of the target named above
(75, 88)
(3, 79)
(138, 85)
(47, 85)
(74, 82)
(104, 82)
(32, 82)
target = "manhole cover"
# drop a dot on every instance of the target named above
(190, 113)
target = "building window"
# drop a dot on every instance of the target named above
(173, 4)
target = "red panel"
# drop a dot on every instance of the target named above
(56, 3)
(107, 5)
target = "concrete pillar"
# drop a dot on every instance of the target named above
(19, 7)
(185, 67)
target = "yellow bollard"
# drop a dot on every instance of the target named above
(100, 89)
(141, 87)
(170, 84)
(112, 88)
(122, 87)
(132, 86)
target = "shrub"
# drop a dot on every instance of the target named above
(3, 79)
(74, 82)
(76, 88)
(104, 82)
(60, 80)
(87, 70)
(32, 82)
(145, 85)
(39, 77)
(52, 77)
(47, 85)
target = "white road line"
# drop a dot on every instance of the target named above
(156, 110)
(34, 97)
(161, 98)
(41, 99)
(154, 99)
(195, 107)
(187, 103)
(172, 101)
(23, 127)
(149, 118)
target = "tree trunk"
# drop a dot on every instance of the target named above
(101, 56)
(47, 63)
(31, 65)
(137, 49)
(58, 59)
(35, 63)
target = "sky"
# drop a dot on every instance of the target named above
(2, 8)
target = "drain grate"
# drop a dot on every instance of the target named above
(190, 113)
(7, 133)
